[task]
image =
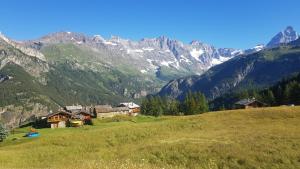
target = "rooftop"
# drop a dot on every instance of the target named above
(247, 101)
(130, 105)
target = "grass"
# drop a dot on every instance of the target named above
(259, 138)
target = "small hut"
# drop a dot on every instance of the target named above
(249, 103)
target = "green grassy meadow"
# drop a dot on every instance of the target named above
(266, 138)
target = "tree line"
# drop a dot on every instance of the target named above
(193, 103)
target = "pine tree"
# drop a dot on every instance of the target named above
(203, 104)
(244, 94)
(279, 95)
(145, 106)
(222, 107)
(173, 108)
(286, 95)
(3, 132)
(194, 103)
(294, 96)
(269, 98)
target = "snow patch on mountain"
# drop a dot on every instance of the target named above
(148, 49)
(134, 51)
(143, 71)
(259, 47)
(165, 63)
(237, 52)
(110, 43)
(184, 59)
(195, 53)
(221, 59)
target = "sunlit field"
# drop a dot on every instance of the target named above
(256, 138)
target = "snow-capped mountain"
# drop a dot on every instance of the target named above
(150, 54)
(284, 37)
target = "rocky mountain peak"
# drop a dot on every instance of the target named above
(289, 29)
(195, 43)
(163, 38)
(63, 37)
(284, 37)
(98, 38)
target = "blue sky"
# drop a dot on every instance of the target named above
(223, 23)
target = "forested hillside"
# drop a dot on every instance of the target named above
(285, 92)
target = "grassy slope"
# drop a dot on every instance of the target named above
(258, 138)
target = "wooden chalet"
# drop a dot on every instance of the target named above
(59, 119)
(249, 103)
(104, 111)
(134, 109)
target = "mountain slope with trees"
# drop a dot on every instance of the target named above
(252, 71)
(285, 92)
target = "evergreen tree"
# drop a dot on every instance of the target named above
(278, 94)
(202, 103)
(243, 94)
(286, 95)
(189, 104)
(269, 98)
(145, 106)
(194, 103)
(173, 108)
(3, 132)
(222, 107)
(294, 95)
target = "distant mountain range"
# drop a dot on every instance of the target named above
(279, 59)
(147, 55)
(72, 68)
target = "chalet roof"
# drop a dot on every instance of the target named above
(248, 101)
(83, 112)
(111, 109)
(103, 108)
(106, 106)
(60, 112)
(130, 105)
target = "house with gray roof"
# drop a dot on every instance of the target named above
(249, 103)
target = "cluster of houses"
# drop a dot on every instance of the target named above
(75, 116)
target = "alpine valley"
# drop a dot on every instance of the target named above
(63, 68)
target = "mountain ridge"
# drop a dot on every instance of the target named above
(245, 71)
